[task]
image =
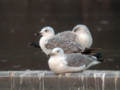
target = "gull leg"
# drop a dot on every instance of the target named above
(60, 74)
(68, 74)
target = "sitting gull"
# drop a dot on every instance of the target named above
(66, 40)
(61, 63)
(84, 35)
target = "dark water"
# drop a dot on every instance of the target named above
(20, 19)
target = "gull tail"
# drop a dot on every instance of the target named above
(99, 56)
(90, 50)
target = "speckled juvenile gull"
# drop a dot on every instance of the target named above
(66, 40)
(67, 63)
(84, 35)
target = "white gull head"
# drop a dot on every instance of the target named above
(57, 52)
(47, 33)
(57, 61)
(84, 35)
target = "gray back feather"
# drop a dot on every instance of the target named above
(78, 59)
(67, 34)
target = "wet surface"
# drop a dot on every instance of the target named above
(41, 80)
(19, 20)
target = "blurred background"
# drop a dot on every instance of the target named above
(20, 19)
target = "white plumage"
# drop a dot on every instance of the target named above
(84, 35)
(66, 63)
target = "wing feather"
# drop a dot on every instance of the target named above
(77, 59)
(66, 41)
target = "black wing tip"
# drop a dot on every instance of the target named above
(91, 50)
(99, 56)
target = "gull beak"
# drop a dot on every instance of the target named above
(52, 54)
(38, 34)
(35, 44)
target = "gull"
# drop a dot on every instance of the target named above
(66, 40)
(84, 35)
(62, 63)
(77, 40)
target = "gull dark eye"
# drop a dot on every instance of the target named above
(58, 51)
(46, 30)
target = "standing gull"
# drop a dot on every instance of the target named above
(61, 63)
(84, 35)
(66, 40)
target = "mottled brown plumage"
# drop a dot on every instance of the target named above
(65, 40)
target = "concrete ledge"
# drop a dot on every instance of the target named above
(46, 80)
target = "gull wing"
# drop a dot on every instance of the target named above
(78, 59)
(63, 41)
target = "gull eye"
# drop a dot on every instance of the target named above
(46, 30)
(57, 51)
